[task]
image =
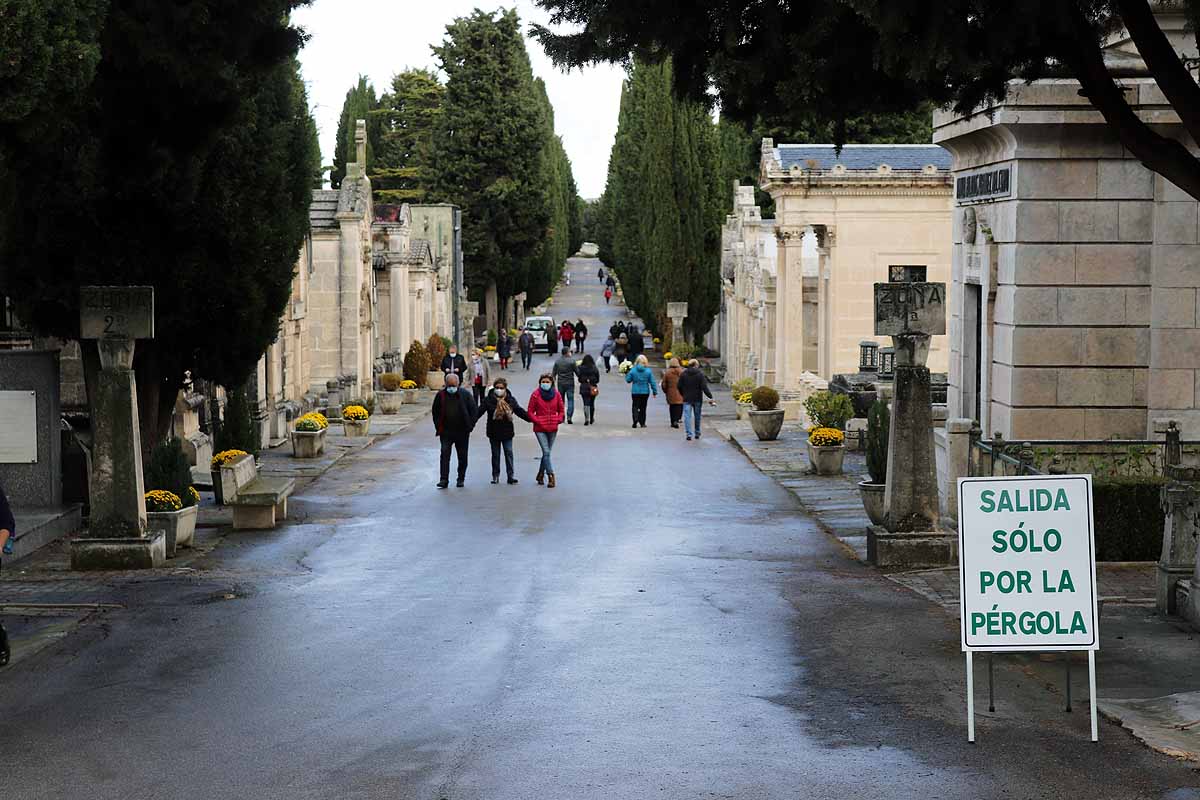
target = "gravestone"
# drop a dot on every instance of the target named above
(678, 313)
(911, 312)
(116, 316)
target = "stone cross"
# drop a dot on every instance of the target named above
(360, 144)
(678, 313)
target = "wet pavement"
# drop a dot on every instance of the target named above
(665, 623)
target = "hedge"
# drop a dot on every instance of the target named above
(1129, 519)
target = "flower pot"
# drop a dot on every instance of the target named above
(216, 481)
(355, 428)
(872, 498)
(179, 526)
(743, 409)
(410, 395)
(390, 402)
(766, 424)
(827, 460)
(308, 444)
(435, 380)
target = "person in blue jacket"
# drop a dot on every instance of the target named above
(8, 532)
(641, 385)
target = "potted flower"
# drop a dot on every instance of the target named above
(409, 388)
(390, 395)
(161, 508)
(828, 410)
(436, 349)
(745, 402)
(872, 491)
(168, 472)
(416, 364)
(221, 459)
(356, 420)
(308, 435)
(826, 450)
(767, 417)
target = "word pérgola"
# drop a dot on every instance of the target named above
(1036, 500)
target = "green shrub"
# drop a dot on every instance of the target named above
(879, 421)
(1128, 517)
(237, 431)
(437, 348)
(390, 381)
(492, 337)
(684, 352)
(828, 410)
(417, 364)
(168, 469)
(765, 398)
(739, 388)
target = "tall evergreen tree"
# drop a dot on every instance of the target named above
(359, 104)
(408, 116)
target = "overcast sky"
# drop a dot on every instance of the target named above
(378, 38)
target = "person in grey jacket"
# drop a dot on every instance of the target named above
(606, 352)
(564, 376)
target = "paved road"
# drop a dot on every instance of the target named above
(663, 624)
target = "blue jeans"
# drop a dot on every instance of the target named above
(569, 395)
(546, 442)
(690, 411)
(507, 446)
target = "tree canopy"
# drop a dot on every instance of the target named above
(408, 115)
(838, 60)
(359, 104)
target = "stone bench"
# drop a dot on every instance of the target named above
(257, 502)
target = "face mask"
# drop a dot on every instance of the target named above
(545, 387)
(453, 353)
(451, 390)
(500, 393)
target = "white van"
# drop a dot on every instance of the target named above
(545, 333)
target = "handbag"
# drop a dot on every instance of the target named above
(595, 390)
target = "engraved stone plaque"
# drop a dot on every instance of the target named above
(116, 312)
(18, 427)
(910, 308)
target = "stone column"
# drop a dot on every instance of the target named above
(825, 351)
(958, 459)
(117, 491)
(398, 311)
(1181, 503)
(789, 308)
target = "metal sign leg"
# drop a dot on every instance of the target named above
(1068, 708)
(1092, 692)
(970, 699)
(991, 687)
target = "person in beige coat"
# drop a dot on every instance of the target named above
(670, 387)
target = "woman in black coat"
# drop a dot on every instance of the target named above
(589, 386)
(501, 408)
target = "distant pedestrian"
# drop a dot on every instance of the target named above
(454, 362)
(610, 282)
(566, 333)
(637, 342)
(8, 532)
(504, 348)
(693, 385)
(581, 333)
(546, 411)
(621, 348)
(568, 277)
(670, 387)
(641, 381)
(600, 274)
(606, 352)
(564, 375)
(525, 346)
(501, 408)
(589, 387)
(478, 375)
(454, 417)
(607, 296)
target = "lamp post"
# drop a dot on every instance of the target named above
(868, 356)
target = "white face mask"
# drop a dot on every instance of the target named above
(500, 393)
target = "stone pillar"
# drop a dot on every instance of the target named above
(958, 459)
(789, 309)
(826, 356)
(1181, 502)
(398, 310)
(491, 310)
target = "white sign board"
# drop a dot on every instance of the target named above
(1027, 563)
(18, 427)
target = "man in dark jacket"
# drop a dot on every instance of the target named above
(454, 362)
(525, 345)
(454, 417)
(564, 375)
(693, 385)
(636, 343)
(8, 530)
(610, 283)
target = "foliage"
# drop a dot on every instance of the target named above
(355, 413)
(390, 381)
(826, 437)
(436, 347)
(624, 367)
(685, 352)
(225, 457)
(828, 410)
(359, 104)
(308, 425)
(417, 363)
(237, 430)
(168, 468)
(1129, 518)
(408, 115)
(492, 337)
(745, 398)
(407, 384)
(160, 500)
(740, 387)
(765, 398)
(878, 430)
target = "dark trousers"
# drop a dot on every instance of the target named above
(506, 446)
(459, 442)
(578, 345)
(526, 358)
(639, 408)
(589, 407)
(607, 365)
(676, 410)
(478, 389)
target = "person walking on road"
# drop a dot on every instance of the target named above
(607, 295)
(641, 381)
(8, 532)
(693, 385)
(606, 352)
(621, 348)
(566, 334)
(611, 283)
(637, 343)
(504, 348)
(589, 387)
(581, 333)
(564, 374)
(546, 411)
(501, 408)
(454, 417)
(525, 345)
(600, 274)
(670, 387)
(454, 362)
(478, 375)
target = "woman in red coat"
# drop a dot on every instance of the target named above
(566, 333)
(547, 411)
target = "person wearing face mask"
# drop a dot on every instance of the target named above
(501, 408)
(454, 417)
(454, 362)
(478, 374)
(547, 411)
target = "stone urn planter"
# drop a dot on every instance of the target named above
(308, 444)
(389, 402)
(355, 428)
(766, 424)
(743, 409)
(179, 526)
(410, 395)
(435, 380)
(827, 460)
(872, 498)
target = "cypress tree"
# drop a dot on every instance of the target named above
(408, 116)
(359, 104)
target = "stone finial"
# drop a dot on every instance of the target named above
(360, 144)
